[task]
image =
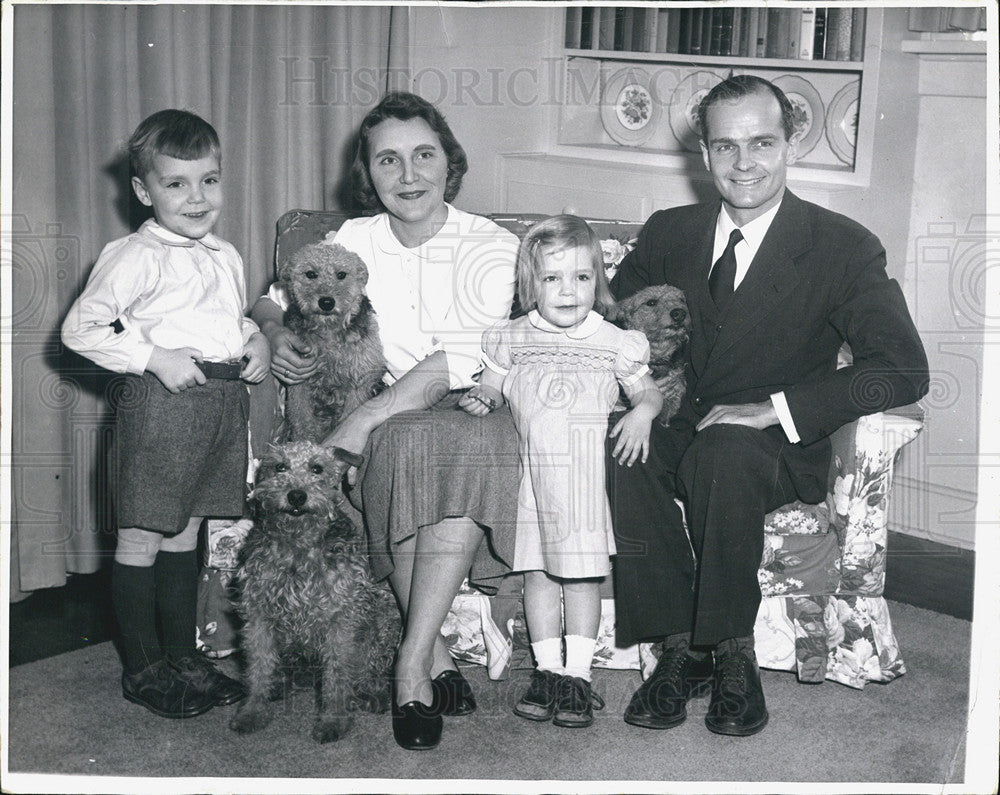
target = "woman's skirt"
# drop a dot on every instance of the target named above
(425, 466)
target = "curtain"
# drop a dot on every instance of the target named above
(285, 86)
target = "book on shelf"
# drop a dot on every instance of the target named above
(684, 31)
(623, 28)
(707, 26)
(606, 29)
(697, 21)
(587, 28)
(794, 31)
(573, 17)
(652, 27)
(838, 34)
(777, 32)
(857, 34)
(762, 20)
(807, 34)
(738, 46)
(715, 43)
(673, 18)
(819, 34)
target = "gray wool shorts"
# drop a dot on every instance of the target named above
(182, 455)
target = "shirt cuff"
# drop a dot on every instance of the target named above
(140, 359)
(780, 404)
(249, 329)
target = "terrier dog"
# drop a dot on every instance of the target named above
(329, 310)
(660, 312)
(307, 595)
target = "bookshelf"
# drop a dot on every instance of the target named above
(632, 77)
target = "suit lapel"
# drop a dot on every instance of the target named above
(696, 258)
(772, 274)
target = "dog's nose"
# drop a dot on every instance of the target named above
(678, 315)
(297, 498)
(326, 303)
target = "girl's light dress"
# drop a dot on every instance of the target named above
(561, 386)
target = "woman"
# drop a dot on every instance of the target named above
(435, 482)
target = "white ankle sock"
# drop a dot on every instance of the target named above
(548, 654)
(579, 655)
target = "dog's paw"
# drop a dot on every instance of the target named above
(327, 731)
(252, 717)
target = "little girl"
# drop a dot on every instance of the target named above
(559, 368)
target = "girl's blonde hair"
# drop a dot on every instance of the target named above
(558, 233)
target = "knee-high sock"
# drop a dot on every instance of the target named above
(133, 596)
(177, 600)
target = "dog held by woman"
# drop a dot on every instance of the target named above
(329, 310)
(306, 594)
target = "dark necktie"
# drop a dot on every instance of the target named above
(723, 277)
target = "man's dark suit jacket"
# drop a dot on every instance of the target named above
(817, 280)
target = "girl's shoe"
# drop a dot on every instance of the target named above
(539, 703)
(575, 703)
(161, 690)
(452, 694)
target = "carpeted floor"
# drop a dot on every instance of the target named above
(67, 717)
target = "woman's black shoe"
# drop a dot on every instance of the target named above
(452, 695)
(415, 727)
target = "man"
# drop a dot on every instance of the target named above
(774, 285)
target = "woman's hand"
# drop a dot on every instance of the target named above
(481, 400)
(257, 352)
(292, 359)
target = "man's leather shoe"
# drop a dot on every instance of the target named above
(661, 701)
(204, 676)
(161, 690)
(415, 727)
(737, 705)
(452, 694)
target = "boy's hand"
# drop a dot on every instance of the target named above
(632, 431)
(257, 352)
(176, 368)
(292, 359)
(481, 400)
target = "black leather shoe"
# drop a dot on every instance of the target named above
(737, 705)
(161, 690)
(452, 694)
(539, 703)
(661, 701)
(205, 677)
(415, 727)
(575, 703)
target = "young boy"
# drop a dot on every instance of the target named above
(165, 306)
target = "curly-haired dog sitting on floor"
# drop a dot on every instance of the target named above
(660, 312)
(330, 311)
(307, 593)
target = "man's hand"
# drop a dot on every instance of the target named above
(176, 368)
(753, 415)
(292, 359)
(258, 355)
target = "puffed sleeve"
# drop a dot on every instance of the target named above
(496, 347)
(633, 358)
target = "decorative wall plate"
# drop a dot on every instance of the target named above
(842, 122)
(684, 107)
(628, 111)
(809, 113)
